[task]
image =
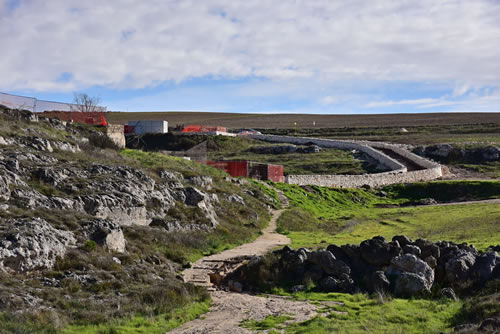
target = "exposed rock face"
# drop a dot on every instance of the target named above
(115, 208)
(106, 233)
(128, 196)
(378, 252)
(414, 276)
(30, 244)
(410, 284)
(485, 265)
(195, 197)
(4, 188)
(328, 263)
(458, 267)
(201, 181)
(379, 282)
(236, 199)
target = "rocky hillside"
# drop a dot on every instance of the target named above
(89, 234)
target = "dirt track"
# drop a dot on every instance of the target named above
(230, 309)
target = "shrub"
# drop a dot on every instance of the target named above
(90, 245)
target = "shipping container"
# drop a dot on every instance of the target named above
(254, 170)
(143, 127)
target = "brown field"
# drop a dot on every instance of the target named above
(268, 121)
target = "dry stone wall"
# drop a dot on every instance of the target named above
(398, 173)
(382, 158)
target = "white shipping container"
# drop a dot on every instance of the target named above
(142, 127)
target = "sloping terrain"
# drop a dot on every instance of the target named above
(92, 238)
(286, 121)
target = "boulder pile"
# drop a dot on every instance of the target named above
(402, 266)
(447, 153)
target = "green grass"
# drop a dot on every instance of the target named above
(491, 169)
(269, 192)
(446, 191)
(328, 161)
(270, 322)
(477, 224)
(154, 160)
(321, 216)
(487, 133)
(141, 324)
(361, 313)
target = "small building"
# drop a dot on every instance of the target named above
(143, 127)
(254, 170)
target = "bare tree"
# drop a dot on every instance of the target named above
(85, 103)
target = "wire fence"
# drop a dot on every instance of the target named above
(35, 105)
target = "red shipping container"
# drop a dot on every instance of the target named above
(275, 173)
(192, 128)
(255, 170)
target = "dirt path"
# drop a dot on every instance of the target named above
(229, 309)
(490, 201)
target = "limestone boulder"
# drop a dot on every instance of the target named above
(31, 244)
(484, 266)
(410, 284)
(378, 281)
(378, 252)
(328, 263)
(409, 263)
(106, 233)
(458, 268)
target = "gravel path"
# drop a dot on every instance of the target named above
(229, 309)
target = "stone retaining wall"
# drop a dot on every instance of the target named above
(398, 173)
(382, 158)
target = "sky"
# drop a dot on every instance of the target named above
(259, 56)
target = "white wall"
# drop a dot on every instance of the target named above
(398, 173)
(154, 126)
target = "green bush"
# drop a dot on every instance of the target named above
(90, 245)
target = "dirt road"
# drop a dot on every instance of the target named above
(229, 309)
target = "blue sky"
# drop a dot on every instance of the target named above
(296, 56)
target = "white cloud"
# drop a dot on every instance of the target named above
(328, 100)
(135, 44)
(390, 103)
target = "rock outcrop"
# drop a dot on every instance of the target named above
(447, 153)
(105, 233)
(30, 244)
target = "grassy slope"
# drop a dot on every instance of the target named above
(278, 121)
(343, 216)
(351, 215)
(146, 325)
(145, 305)
(328, 161)
(364, 314)
(462, 133)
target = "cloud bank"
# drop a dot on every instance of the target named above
(66, 45)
